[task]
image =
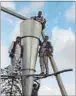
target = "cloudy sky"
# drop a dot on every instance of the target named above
(60, 27)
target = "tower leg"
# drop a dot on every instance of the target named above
(58, 78)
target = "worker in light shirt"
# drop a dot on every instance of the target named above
(15, 54)
(45, 51)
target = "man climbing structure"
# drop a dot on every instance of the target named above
(45, 50)
(15, 54)
(40, 19)
(35, 89)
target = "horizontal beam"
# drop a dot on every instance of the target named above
(54, 74)
(59, 72)
(37, 75)
(13, 13)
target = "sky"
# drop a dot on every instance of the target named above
(60, 27)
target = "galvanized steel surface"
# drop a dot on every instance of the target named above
(30, 46)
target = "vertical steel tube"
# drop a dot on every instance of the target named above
(58, 78)
(30, 46)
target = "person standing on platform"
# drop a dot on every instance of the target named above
(15, 54)
(45, 50)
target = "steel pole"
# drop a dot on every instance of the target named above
(58, 77)
(29, 29)
(13, 13)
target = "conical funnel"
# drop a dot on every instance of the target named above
(30, 45)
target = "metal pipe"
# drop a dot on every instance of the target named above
(16, 15)
(13, 13)
(58, 78)
(59, 72)
(53, 74)
(30, 45)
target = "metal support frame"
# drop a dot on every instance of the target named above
(58, 78)
(37, 76)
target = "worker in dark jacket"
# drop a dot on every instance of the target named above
(45, 50)
(15, 53)
(35, 89)
(40, 19)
